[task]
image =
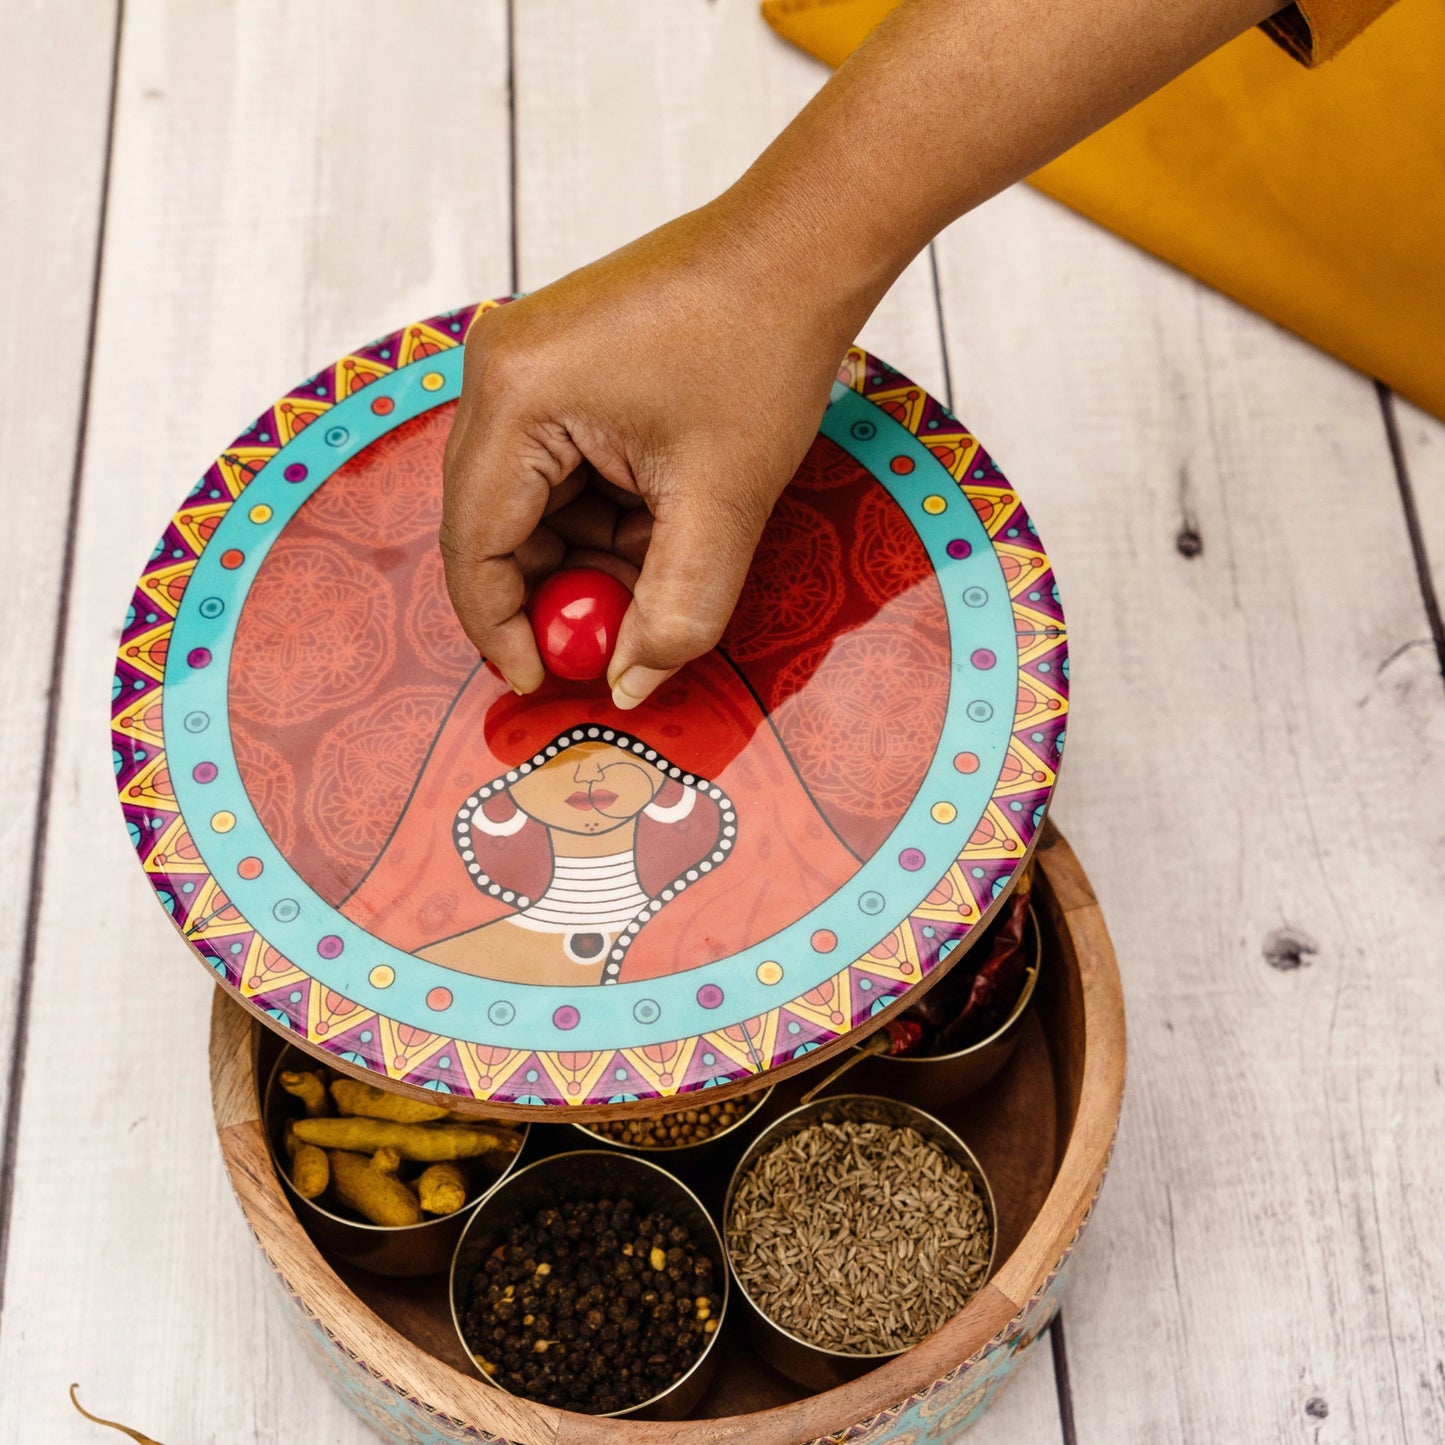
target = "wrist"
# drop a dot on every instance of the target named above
(806, 254)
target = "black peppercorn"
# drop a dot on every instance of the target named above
(573, 1310)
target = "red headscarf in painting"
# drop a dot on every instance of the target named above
(708, 734)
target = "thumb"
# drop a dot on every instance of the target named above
(701, 548)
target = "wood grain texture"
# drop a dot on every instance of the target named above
(1422, 453)
(56, 94)
(1090, 1014)
(287, 182)
(1256, 779)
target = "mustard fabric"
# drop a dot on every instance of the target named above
(1315, 197)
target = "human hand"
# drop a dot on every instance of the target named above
(643, 415)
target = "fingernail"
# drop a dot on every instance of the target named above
(636, 685)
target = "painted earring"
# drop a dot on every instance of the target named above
(505, 829)
(672, 812)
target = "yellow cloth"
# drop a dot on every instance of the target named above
(1316, 198)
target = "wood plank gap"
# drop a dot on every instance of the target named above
(942, 327)
(1428, 595)
(515, 283)
(53, 692)
(1060, 1352)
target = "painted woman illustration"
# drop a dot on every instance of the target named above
(552, 839)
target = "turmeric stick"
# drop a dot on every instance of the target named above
(420, 1143)
(307, 1087)
(378, 1196)
(354, 1097)
(442, 1189)
(387, 1161)
(310, 1171)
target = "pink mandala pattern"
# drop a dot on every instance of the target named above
(825, 467)
(801, 544)
(889, 561)
(401, 505)
(270, 781)
(881, 686)
(432, 629)
(365, 768)
(314, 632)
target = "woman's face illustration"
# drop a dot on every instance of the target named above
(587, 788)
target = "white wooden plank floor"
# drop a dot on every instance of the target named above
(60, 100)
(1255, 777)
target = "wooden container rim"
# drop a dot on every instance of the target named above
(392, 1357)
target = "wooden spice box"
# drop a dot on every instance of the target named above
(1042, 1132)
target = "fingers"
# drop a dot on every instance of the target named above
(607, 562)
(500, 473)
(701, 546)
(588, 521)
(540, 555)
(634, 532)
(487, 594)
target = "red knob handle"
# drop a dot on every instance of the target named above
(576, 615)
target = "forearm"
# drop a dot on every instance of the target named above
(947, 103)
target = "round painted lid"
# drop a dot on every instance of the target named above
(411, 871)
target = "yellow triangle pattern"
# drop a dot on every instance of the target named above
(489, 1064)
(175, 851)
(1036, 703)
(165, 585)
(214, 915)
(994, 507)
(903, 403)
(1029, 565)
(667, 1072)
(295, 414)
(403, 1047)
(995, 837)
(191, 523)
(419, 341)
(147, 653)
(265, 969)
(951, 902)
(828, 1004)
(853, 371)
(956, 450)
(575, 1074)
(151, 787)
(239, 464)
(895, 956)
(141, 719)
(352, 373)
(1032, 772)
(733, 1041)
(329, 1013)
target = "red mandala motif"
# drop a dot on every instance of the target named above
(887, 555)
(391, 493)
(865, 718)
(270, 784)
(432, 629)
(365, 768)
(826, 466)
(316, 630)
(794, 587)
